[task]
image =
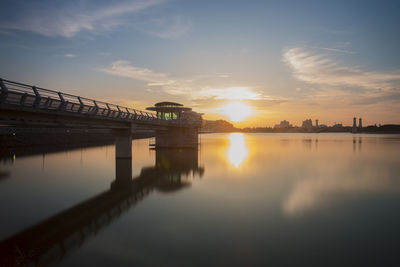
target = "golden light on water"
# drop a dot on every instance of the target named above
(237, 111)
(237, 151)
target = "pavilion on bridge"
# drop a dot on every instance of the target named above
(169, 110)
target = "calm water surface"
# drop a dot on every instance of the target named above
(242, 199)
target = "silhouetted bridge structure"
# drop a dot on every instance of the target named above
(50, 240)
(23, 105)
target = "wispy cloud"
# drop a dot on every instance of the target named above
(69, 55)
(3, 32)
(68, 21)
(168, 27)
(192, 88)
(124, 68)
(104, 54)
(231, 93)
(334, 49)
(319, 68)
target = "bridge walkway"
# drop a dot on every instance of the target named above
(18, 99)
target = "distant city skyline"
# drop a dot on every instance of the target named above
(317, 123)
(253, 63)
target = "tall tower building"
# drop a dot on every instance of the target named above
(316, 123)
(354, 130)
(307, 124)
(360, 123)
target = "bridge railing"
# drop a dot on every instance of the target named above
(28, 96)
(24, 95)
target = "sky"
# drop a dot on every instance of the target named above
(254, 63)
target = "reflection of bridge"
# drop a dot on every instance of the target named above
(30, 106)
(51, 239)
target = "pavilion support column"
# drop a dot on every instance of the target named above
(177, 137)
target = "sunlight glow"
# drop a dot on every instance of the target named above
(232, 93)
(237, 151)
(237, 111)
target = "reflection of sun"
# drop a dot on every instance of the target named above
(237, 151)
(237, 111)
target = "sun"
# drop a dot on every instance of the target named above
(236, 111)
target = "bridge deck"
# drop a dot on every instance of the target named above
(26, 98)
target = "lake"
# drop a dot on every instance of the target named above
(240, 200)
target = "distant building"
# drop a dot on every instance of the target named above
(283, 124)
(316, 123)
(338, 125)
(360, 124)
(307, 124)
(354, 129)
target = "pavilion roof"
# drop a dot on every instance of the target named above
(168, 106)
(168, 103)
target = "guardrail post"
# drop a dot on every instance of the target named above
(4, 91)
(63, 103)
(119, 112)
(96, 107)
(129, 114)
(36, 104)
(46, 104)
(80, 105)
(23, 97)
(109, 110)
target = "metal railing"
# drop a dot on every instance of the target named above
(28, 96)
(14, 93)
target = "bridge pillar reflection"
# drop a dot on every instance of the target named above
(123, 172)
(50, 240)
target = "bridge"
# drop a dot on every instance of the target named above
(52, 239)
(23, 105)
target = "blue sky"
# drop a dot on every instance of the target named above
(293, 60)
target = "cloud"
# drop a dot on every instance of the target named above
(194, 88)
(389, 96)
(69, 20)
(168, 27)
(2, 32)
(318, 68)
(104, 54)
(230, 93)
(334, 49)
(69, 55)
(124, 68)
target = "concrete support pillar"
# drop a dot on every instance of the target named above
(178, 137)
(123, 144)
(123, 158)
